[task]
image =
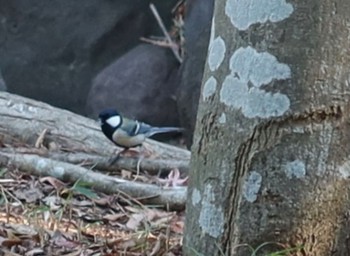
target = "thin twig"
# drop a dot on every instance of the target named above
(138, 168)
(158, 42)
(40, 141)
(165, 32)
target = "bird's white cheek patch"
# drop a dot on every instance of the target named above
(114, 121)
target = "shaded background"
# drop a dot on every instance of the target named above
(86, 55)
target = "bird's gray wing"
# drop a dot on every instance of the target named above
(131, 127)
(134, 127)
(155, 130)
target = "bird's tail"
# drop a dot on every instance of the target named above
(156, 130)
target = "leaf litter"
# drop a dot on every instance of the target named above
(45, 216)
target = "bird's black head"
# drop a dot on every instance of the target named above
(110, 120)
(107, 113)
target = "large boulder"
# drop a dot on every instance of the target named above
(50, 50)
(140, 84)
(197, 34)
(3, 86)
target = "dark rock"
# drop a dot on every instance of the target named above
(3, 86)
(140, 84)
(197, 34)
(50, 50)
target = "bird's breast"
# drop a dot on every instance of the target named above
(122, 138)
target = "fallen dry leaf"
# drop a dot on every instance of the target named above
(54, 202)
(29, 195)
(60, 240)
(126, 174)
(173, 179)
(135, 221)
(9, 243)
(103, 201)
(160, 246)
(56, 183)
(35, 251)
(113, 217)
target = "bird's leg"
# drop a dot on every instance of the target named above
(132, 152)
(117, 157)
(146, 151)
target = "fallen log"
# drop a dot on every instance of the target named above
(153, 166)
(172, 198)
(26, 119)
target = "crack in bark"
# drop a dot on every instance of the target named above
(242, 161)
(207, 125)
(264, 136)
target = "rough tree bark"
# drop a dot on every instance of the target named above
(271, 154)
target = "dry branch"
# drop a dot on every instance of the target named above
(173, 47)
(152, 166)
(103, 163)
(172, 198)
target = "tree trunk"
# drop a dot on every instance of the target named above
(271, 154)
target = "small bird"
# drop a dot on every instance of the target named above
(128, 133)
